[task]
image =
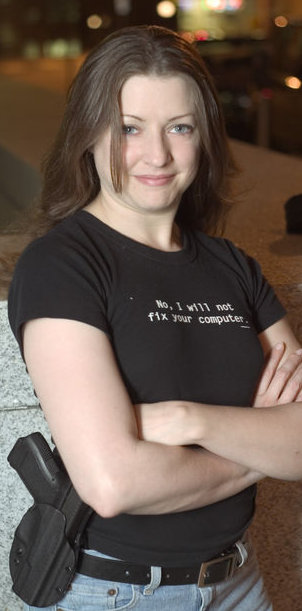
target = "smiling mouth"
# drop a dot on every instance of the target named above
(155, 181)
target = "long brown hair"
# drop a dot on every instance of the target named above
(70, 180)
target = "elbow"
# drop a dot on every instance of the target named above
(109, 502)
(107, 499)
(106, 484)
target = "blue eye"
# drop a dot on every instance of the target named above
(129, 130)
(182, 128)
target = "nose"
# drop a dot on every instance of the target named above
(156, 149)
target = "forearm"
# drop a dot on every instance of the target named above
(173, 479)
(266, 440)
(125, 474)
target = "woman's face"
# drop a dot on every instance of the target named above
(160, 142)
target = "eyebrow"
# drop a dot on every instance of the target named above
(187, 114)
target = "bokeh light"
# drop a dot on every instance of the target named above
(202, 35)
(56, 49)
(224, 5)
(281, 21)
(94, 22)
(185, 5)
(122, 7)
(293, 82)
(215, 5)
(166, 9)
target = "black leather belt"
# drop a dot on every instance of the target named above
(208, 573)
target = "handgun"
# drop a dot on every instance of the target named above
(47, 541)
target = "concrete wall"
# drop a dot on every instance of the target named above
(19, 415)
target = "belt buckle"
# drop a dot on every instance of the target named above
(225, 567)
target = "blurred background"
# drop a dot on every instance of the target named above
(253, 48)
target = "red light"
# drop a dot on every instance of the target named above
(234, 5)
(267, 93)
(201, 35)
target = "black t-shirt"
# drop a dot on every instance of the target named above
(183, 325)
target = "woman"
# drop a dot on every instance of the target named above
(124, 303)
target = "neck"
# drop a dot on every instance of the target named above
(155, 230)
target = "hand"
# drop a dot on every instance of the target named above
(280, 383)
(181, 423)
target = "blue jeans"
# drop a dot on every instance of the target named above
(243, 592)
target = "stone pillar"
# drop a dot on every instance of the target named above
(20, 415)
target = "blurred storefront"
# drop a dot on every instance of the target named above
(252, 47)
(221, 19)
(254, 50)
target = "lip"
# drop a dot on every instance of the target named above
(154, 180)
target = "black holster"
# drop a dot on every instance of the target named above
(47, 542)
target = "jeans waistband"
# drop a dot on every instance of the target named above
(208, 573)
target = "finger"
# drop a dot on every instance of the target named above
(292, 390)
(283, 387)
(270, 367)
(286, 383)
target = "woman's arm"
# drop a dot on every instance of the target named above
(93, 423)
(266, 440)
(280, 382)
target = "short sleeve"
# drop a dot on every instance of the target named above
(53, 279)
(265, 306)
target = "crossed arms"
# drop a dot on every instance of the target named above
(266, 440)
(112, 459)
